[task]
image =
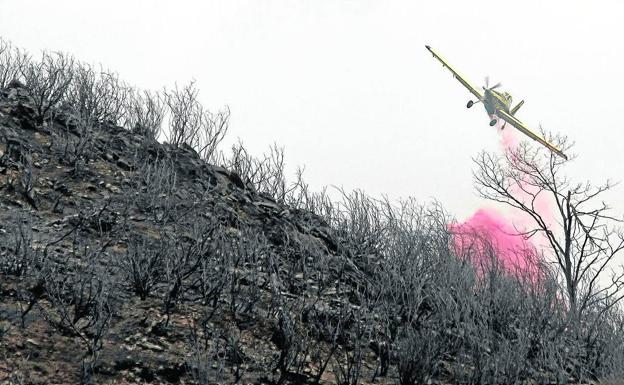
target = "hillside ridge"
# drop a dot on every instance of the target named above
(129, 260)
(122, 187)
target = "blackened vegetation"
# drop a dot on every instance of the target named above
(123, 259)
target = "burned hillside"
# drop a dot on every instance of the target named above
(131, 212)
(127, 259)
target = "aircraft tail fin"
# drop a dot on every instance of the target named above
(516, 108)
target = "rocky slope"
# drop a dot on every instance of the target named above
(128, 261)
(124, 260)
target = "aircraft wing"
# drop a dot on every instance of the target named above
(457, 76)
(525, 130)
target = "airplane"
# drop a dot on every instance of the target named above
(498, 105)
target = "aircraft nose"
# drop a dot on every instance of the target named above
(426, 46)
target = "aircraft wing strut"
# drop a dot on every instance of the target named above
(457, 76)
(525, 130)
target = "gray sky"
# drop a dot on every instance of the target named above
(348, 88)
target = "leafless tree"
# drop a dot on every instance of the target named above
(141, 265)
(96, 96)
(319, 203)
(80, 296)
(207, 354)
(19, 256)
(265, 173)
(362, 222)
(349, 361)
(182, 259)
(212, 132)
(584, 238)
(24, 260)
(292, 340)
(145, 112)
(48, 81)
(12, 62)
(156, 184)
(275, 183)
(191, 124)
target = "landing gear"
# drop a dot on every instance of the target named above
(470, 103)
(492, 122)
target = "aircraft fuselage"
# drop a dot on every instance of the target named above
(494, 101)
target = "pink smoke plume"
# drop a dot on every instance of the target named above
(488, 239)
(492, 237)
(509, 137)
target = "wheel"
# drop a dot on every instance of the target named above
(470, 103)
(492, 122)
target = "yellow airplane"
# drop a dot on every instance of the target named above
(498, 105)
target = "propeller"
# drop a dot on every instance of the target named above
(487, 84)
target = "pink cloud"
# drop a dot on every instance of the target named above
(488, 239)
(494, 238)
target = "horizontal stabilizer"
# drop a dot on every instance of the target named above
(516, 108)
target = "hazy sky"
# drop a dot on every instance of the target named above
(348, 88)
